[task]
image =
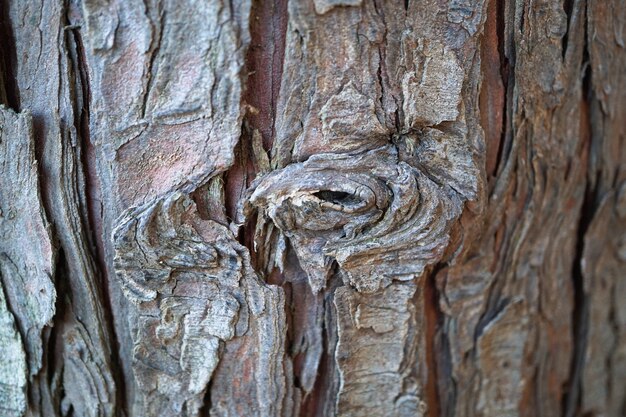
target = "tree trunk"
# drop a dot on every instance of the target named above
(313, 208)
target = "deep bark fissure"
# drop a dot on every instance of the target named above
(235, 183)
(62, 306)
(279, 33)
(447, 405)
(268, 25)
(505, 29)
(92, 191)
(207, 404)
(264, 65)
(504, 76)
(313, 404)
(155, 47)
(568, 8)
(434, 318)
(9, 90)
(580, 312)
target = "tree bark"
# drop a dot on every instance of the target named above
(313, 208)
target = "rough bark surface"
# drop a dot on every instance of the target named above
(313, 208)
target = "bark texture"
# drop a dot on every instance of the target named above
(313, 208)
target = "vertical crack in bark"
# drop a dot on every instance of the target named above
(9, 92)
(93, 199)
(279, 30)
(492, 92)
(264, 65)
(205, 409)
(264, 62)
(580, 313)
(263, 71)
(505, 48)
(313, 404)
(433, 319)
(568, 8)
(322, 395)
(154, 52)
(236, 180)
(55, 336)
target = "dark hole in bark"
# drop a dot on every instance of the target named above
(335, 197)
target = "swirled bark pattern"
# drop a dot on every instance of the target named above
(190, 283)
(370, 212)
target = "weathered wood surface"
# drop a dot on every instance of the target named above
(27, 296)
(313, 208)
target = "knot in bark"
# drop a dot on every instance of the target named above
(379, 217)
